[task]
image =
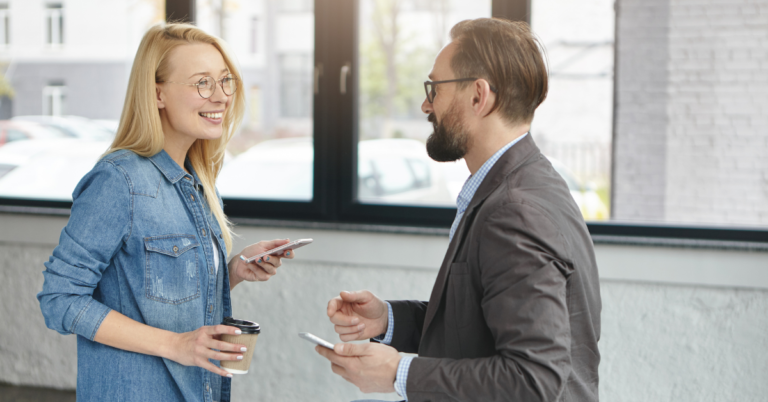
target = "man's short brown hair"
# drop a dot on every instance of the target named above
(508, 56)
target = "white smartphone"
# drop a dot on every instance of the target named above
(287, 246)
(316, 339)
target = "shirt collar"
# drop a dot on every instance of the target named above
(170, 169)
(473, 182)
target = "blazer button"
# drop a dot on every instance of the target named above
(175, 249)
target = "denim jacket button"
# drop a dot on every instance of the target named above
(203, 232)
(175, 249)
(192, 196)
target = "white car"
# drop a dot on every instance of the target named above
(391, 171)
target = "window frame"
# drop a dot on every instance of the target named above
(335, 140)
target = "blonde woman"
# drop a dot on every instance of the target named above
(139, 273)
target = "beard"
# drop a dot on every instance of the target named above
(450, 140)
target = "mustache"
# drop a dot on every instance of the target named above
(432, 118)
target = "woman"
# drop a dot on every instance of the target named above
(138, 272)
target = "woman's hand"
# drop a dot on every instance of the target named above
(196, 347)
(260, 270)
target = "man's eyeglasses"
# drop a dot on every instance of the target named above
(207, 85)
(429, 87)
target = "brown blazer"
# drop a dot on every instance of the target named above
(515, 311)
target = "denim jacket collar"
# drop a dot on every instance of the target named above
(170, 169)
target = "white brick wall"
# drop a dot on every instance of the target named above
(717, 137)
(692, 121)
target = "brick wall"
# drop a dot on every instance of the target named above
(691, 123)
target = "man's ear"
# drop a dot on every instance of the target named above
(159, 97)
(483, 98)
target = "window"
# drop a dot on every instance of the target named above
(398, 42)
(4, 25)
(54, 23)
(657, 145)
(254, 35)
(54, 100)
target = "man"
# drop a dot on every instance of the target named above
(514, 314)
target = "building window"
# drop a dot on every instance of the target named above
(297, 6)
(296, 85)
(54, 99)
(4, 25)
(54, 22)
(254, 35)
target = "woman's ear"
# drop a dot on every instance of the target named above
(159, 96)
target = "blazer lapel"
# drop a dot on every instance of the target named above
(515, 157)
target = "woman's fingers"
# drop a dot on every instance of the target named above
(215, 369)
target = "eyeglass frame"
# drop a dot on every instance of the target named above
(434, 85)
(197, 84)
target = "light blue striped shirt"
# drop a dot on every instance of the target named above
(473, 183)
(462, 202)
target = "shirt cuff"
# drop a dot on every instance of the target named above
(386, 338)
(87, 320)
(401, 378)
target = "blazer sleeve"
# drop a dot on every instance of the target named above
(99, 223)
(408, 322)
(524, 306)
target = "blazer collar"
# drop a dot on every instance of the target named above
(515, 157)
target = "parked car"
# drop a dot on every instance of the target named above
(72, 126)
(11, 131)
(47, 169)
(391, 171)
(591, 206)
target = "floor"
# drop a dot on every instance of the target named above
(11, 393)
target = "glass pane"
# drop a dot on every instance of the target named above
(398, 44)
(573, 127)
(271, 157)
(82, 87)
(59, 109)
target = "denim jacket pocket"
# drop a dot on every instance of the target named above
(171, 272)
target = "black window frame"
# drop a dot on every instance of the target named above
(335, 141)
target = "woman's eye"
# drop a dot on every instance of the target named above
(203, 83)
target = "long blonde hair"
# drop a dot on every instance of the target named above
(140, 128)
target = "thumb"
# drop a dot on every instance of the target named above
(350, 349)
(355, 297)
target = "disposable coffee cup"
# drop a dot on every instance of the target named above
(251, 331)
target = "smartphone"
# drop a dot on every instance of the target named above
(316, 339)
(287, 246)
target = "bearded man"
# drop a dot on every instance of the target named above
(514, 314)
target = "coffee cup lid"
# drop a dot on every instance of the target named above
(248, 327)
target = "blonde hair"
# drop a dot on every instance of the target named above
(140, 128)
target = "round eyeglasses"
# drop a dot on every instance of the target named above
(207, 85)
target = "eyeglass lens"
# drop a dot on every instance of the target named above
(207, 85)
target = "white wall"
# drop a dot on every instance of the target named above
(669, 331)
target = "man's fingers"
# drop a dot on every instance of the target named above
(339, 318)
(330, 355)
(351, 349)
(357, 336)
(361, 296)
(339, 370)
(349, 329)
(334, 305)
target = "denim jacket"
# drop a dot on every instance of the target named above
(138, 241)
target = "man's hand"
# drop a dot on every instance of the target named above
(370, 366)
(358, 315)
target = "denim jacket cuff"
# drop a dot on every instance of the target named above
(89, 319)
